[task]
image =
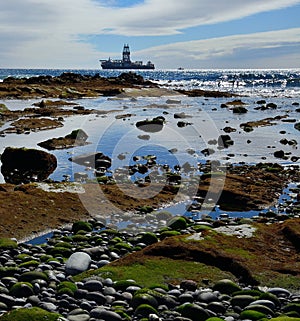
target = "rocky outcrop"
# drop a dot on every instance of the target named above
(70, 85)
(77, 137)
(22, 165)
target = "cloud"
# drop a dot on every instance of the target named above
(55, 33)
(277, 46)
(170, 17)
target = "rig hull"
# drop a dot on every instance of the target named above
(126, 63)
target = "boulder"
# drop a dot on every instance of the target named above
(77, 263)
(22, 165)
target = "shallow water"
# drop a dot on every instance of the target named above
(175, 145)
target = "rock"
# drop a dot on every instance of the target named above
(77, 137)
(93, 285)
(22, 165)
(242, 300)
(93, 160)
(224, 141)
(99, 298)
(226, 286)
(239, 110)
(279, 154)
(21, 289)
(100, 313)
(77, 263)
(193, 312)
(151, 125)
(280, 292)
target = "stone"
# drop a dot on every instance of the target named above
(77, 263)
(93, 285)
(93, 160)
(23, 165)
(102, 314)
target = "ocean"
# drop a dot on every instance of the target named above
(267, 82)
(205, 121)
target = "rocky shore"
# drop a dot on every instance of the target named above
(188, 271)
(160, 266)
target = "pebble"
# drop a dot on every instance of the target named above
(97, 298)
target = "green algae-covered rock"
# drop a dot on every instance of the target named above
(193, 312)
(148, 238)
(177, 223)
(226, 286)
(165, 234)
(214, 319)
(21, 289)
(252, 315)
(144, 298)
(81, 226)
(123, 284)
(260, 308)
(284, 318)
(67, 287)
(33, 275)
(144, 310)
(30, 314)
(271, 297)
(242, 300)
(292, 307)
(6, 244)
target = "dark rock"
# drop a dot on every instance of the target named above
(93, 160)
(151, 125)
(100, 313)
(77, 137)
(239, 110)
(22, 165)
(279, 154)
(224, 141)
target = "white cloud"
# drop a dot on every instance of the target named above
(41, 33)
(276, 45)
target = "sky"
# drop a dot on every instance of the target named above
(197, 34)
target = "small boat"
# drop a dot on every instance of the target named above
(125, 63)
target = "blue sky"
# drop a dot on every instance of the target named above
(197, 34)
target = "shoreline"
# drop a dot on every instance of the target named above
(244, 193)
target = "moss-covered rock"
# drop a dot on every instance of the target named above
(165, 234)
(33, 275)
(30, 314)
(123, 284)
(21, 289)
(81, 226)
(193, 312)
(252, 315)
(67, 287)
(226, 286)
(177, 223)
(6, 244)
(148, 238)
(144, 298)
(144, 310)
(242, 300)
(31, 263)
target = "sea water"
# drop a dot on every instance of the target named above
(120, 136)
(175, 145)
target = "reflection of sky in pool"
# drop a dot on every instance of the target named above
(116, 136)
